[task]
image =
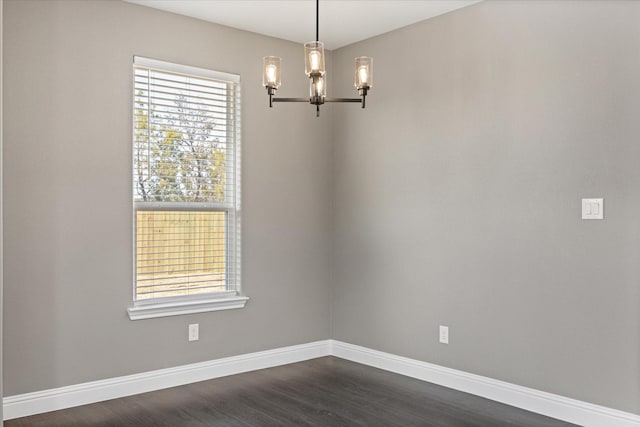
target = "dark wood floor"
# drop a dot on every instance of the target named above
(320, 392)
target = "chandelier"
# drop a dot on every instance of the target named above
(315, 70)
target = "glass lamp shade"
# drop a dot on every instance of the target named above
(271, 71)
(314, 58)
(318, 87)
(364, 72)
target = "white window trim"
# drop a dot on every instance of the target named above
(185, 69)
(175, 307)
(199, 303)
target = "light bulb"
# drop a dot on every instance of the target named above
(318, 87)
(271, 74)
(314, 58)
(363, 74)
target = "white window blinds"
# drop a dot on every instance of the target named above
(186, 173)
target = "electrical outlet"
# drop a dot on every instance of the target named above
(194, 332)
(444, 334)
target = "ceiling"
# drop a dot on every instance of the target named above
(342, 22)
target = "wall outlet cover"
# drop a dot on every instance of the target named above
(194, 332)
(593, 208)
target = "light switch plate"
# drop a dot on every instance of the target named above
(444, 334)
(592, 208)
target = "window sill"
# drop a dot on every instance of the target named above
(147, 310)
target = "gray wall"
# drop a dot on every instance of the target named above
(453, 199)
(67, 164)
(458, 196)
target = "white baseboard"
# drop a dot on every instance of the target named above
(574, 411)
(96, 391)
(551, 405)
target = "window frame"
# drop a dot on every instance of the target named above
(209, 301)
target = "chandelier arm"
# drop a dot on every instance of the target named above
(325, 100)
(290, 99)
(343, 100)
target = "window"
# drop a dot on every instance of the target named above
(186, 190)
